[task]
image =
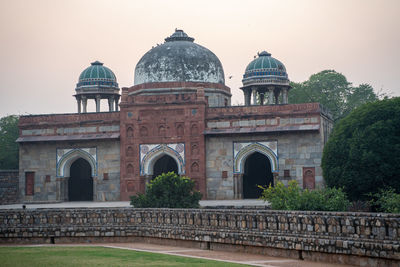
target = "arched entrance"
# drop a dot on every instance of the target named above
(163, 165)
(257, 171)
(80, 183)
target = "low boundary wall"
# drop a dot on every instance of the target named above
(365, 239)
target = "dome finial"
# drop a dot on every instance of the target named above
(96, 63)
(179, 35)
(264, 54)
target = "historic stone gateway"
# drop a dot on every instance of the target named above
(176, 117)
(257, 171)
(80, 182)
(364, 239)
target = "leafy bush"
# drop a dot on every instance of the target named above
(168, 190)
(362, 154)
(293, 197)
(387, 201)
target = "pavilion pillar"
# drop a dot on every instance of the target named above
(247, 97)
(271, 95)
(111, 103)
(285, 99)
(97, 99)
(116, 98)
(78, 101)
(277, 93)
(262, 99)
(84, 104)
(254, 93)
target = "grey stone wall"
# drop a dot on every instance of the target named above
(41, 158)
(295, 151)
(364, 239)
(8, 186)
(217, 98)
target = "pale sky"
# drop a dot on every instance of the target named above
(45, 45)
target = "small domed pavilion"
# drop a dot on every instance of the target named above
(97, 82)
(265, 77)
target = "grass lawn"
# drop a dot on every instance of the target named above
(93, 256)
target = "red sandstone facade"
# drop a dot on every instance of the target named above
(161, 119)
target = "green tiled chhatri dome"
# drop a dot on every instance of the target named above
(97, 75)
(265, 61)
(265, 69)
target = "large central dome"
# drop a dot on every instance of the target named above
(179, 60)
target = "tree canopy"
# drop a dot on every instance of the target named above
(363, 152)
(8, 146)
(333, 91)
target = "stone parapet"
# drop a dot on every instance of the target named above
(289, 109)
(351, 238)
(61, 119)
(271, 118)
(65, 127)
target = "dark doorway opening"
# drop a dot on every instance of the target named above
(163, 165)
(80, 183)
(257, 171)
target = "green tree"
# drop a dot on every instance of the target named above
(363, 152)
(333, 91)
(168, 190)
(8, 146)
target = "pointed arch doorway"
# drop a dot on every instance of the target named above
(257, 171)
(164, 164)
(80, 182)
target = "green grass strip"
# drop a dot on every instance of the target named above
(94, 256)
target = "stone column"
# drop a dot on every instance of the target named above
(275, 175)
(285, 96)
(78, 101)
(238, 186)
(277, 96)
(271, 95)
(254, 92)
(98, 97)
(62, 189)
(111, 103)
(116, 102)
(84, 104)
(261, 99)
(247, 97)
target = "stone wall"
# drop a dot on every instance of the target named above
(8, 186)
(41, 159)
(295, 151)
(297, 133)
(363, 239)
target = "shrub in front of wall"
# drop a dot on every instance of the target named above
(293, 197)
(386, 200)
(168, 190)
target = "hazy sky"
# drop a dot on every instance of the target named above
(45, 45)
